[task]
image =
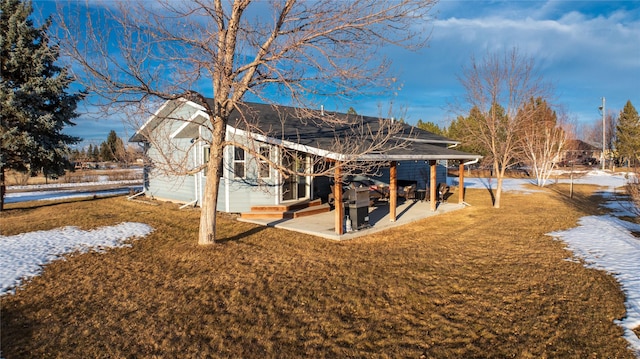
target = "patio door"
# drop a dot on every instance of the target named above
(295, 186)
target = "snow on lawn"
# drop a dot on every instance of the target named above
(57, 191)
(598, 177)
(23, 255)
(608, 243)
(508, 184)
(32, 187)
(604, 242)
(16, 197)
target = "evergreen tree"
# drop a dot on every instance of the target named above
(430, 126)
(628, 134)
(461, 129)
(35, 104)
(113, 148)
(90, 153)
(95, 153)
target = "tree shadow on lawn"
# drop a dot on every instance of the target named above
(586, 198)
(242, 235)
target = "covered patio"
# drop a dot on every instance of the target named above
(380, 219)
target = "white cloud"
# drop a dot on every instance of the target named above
(587, 49)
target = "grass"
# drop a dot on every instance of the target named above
(476, 283)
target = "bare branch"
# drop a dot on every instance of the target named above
(215, 53)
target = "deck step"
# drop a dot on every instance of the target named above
(287, 207)
(287, 212)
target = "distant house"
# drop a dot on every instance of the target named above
(578, 152)
(288, 136)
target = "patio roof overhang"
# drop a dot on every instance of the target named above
(393, 188)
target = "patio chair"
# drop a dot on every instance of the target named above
(444, 192)
(410, 193)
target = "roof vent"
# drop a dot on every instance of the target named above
(322, 110)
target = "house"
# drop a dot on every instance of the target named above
(578, 152)
(294, 138)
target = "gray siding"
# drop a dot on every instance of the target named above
(242, 193)
(417, 171)
(175, 188)
(164, 185)
(421, 172)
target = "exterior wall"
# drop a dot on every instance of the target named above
(418, 171)
(177, 188)
(421, 172)
(235, 194)
(239, 194)
(166, 186)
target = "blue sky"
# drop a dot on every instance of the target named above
(587, 49)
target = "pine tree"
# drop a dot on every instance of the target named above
(113, 148)
(90, 153)
(628, 134)
(35, 104)
(430, 126)
(95, 153)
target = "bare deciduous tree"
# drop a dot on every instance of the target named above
(633, 189)
(544, 136)
(303, 51)
(497, 87)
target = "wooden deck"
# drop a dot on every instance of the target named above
(290, 211)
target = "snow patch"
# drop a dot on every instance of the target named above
(23, 255)
(606, 243)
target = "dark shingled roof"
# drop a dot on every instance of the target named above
(320, 130)
(311, 128)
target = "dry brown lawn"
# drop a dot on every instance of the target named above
(476, 283)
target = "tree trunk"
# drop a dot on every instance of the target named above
(500, 171)
(496, 203)
(207, 232)
(2, 189)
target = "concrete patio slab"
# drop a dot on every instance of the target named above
(322, 225)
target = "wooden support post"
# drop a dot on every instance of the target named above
(461, 183)
(339, 206)
(432, 185)
(393, 190)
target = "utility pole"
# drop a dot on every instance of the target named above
(604, 129)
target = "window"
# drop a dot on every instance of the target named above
(206, 154)
(263, 165)
(238, 162)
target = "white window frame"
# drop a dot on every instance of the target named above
(206, 155)
(238, 162)
(265, 151)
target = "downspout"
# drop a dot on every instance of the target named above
(192, 204)
(461, 175)
(196, 151)
(451, 146)
(144, 168)
(472, 162)
(199, 155)
(136, 195)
